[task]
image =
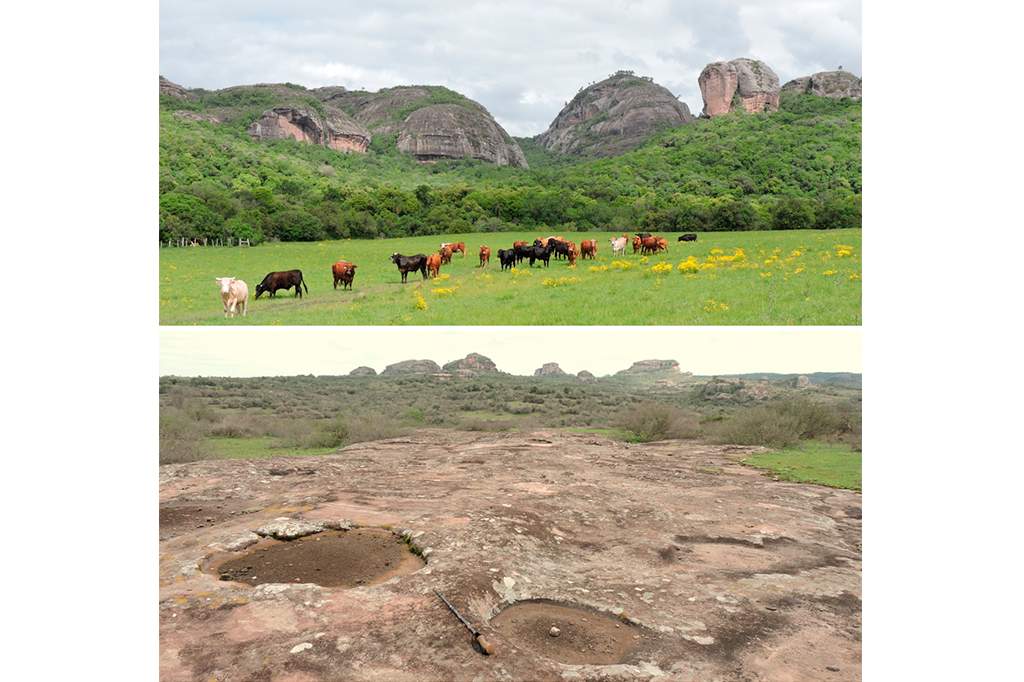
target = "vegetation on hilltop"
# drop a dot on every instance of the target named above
(798, 168)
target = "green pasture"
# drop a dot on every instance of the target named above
(796, 277)
(833, 465)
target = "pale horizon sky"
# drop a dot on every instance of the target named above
(599, 350)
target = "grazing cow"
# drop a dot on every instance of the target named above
(561, 248)
(588, 247)
(485, 256)
(662, 244)
(343, 272)
(233, 292)
(539, 253)
(446, 254)
(636, 244)
(522, 250)
(282, 280)
(648, 245)
(456, 247)
(691, 237)
(507, 257)
(407, 264)
(619, 246)
(433, 265)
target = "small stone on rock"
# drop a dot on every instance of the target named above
(554, 632)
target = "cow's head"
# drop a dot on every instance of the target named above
(259, 290)
(225, 283)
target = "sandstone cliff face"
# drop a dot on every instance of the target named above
(303, 123)
(585, 377)
(550, 369)
(456, 132)
(412, 367)
(441, 124)
(474, 362)
(836, 84)
(175, 90)
(751, 81)
(612, 117)
(363, 371)
(642, 366)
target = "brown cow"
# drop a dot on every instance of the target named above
(588, 247)
(434, 264)
(485, 256)
(456, 247)
(636, 244)
(343, 272)
(648, 245)
(573, 252)
(662, 244)
(446, 254)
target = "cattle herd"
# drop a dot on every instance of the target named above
(235, 292)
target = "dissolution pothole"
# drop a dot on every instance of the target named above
(565, 634)
(340, 559)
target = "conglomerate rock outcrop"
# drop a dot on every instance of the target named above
(748, 83)
(613, 116)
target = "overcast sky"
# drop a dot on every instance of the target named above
(521, 60)
(283, 351)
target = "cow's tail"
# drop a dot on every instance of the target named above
(307, 288)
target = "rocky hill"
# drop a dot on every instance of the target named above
(411, 367)
(647, 366)
(746, 83)
(430, 122)
(473, 362)
(836, 84)
(612, 117)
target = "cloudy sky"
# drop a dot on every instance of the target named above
(523, 61)
(283, 351)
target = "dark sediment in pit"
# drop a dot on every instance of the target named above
(331, 559)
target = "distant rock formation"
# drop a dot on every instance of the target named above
(612, 117)
(474, 362)
(175, 90)
(457, 132)
(836, 84)
(550, 369)
(643, 366)
(412, 367)
(585, 377)
(744, 82)
(455, 128)
(363, 371)
(304, 123)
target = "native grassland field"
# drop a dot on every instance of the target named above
(793, 277)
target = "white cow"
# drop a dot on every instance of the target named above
(619, 246)
(234, 292)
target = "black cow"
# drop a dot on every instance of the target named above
(507, 257)
(407, 264)
(522, 251)
(688, 238)
(282, 280)
(540, 253)
(560, 248)
(643, 235)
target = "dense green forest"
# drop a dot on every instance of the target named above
(796, 168)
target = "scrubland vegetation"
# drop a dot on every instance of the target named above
(816, 430)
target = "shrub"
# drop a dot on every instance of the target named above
(761, 426)
(650, 422)
(181, 439)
